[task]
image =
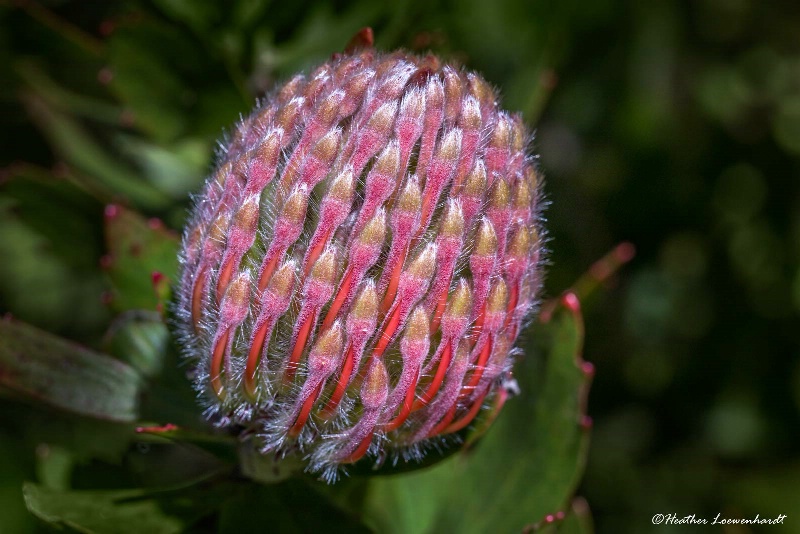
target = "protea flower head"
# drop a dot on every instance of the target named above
(360, 262)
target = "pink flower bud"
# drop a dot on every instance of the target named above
(360, 263)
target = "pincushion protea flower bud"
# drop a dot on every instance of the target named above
(359, 264)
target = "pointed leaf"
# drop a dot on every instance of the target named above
(199, 15)
(125, 511)
(104, 175)
(177, 169)
(76, 104)
(223, 447)
(52, 370)
(142, 259)
(265, 468)
(145, 79)
(140, 338)
(45, 276)
(170, 464)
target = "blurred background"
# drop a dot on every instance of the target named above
(674, 125)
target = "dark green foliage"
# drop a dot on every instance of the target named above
(44, 368)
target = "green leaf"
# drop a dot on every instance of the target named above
(177, 169)
(140, 338)
(74, 103)
(43, 367)
(104, 175)
(145, 80)
(57, 209)
(171, 464)
(223, 447)
(125, 511)
(322, 32)
(526, 466)
(54, 466)
(50, 245)
(292, 506)
(171, 399)
(248, 13)
(265, 468)
(137, 249)
(198, 14)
